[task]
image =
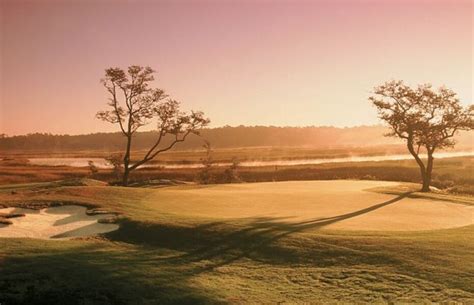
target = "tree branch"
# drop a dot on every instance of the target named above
(177, 140)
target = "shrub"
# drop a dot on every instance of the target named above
(116, 161)
(93, 170)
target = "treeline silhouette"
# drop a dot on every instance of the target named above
(222, 137)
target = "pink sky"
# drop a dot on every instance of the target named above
(242, 62)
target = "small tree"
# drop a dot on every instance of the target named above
(134, 104)
(116, 161)
(425, 118)
(93, 170)
(205, 175)
(230, 173)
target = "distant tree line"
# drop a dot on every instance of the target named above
(222, 137)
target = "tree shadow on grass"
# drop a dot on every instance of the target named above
(53, 274)
(160, 263)
(220, 243)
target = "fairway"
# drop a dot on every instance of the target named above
(343, 204)
(314, 241)
(313, 205)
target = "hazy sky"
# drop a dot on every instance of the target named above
(242, 62)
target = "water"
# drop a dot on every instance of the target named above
(102, 163)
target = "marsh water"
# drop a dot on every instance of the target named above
(102, 163)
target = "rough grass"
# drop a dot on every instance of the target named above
(412, 191)
(456, 175)
(302, 267)
(159, 258)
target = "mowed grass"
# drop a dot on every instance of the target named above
(162, 256)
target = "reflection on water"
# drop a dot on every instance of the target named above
(102, 163)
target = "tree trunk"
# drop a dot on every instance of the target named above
(423, 171)
(429, 170)
(126, 161)
(426, 185)
(126, 173)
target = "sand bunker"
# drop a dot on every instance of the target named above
(55, 222)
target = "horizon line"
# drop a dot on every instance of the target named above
(207, 128)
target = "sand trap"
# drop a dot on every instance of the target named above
(55, 222)
(341, 205)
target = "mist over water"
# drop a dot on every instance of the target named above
(102, 163)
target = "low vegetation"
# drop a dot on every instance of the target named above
(453, 175)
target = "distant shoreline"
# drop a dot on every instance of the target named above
(102, 163)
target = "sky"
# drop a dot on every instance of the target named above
(281, 63)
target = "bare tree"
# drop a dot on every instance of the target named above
(134, 104)
(424, 117)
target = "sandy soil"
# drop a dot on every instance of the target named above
(56, 222)
(342, 204)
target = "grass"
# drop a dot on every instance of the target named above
(413, 192)
(176, 257)
(302, 267)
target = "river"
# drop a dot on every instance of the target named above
(102, 163)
